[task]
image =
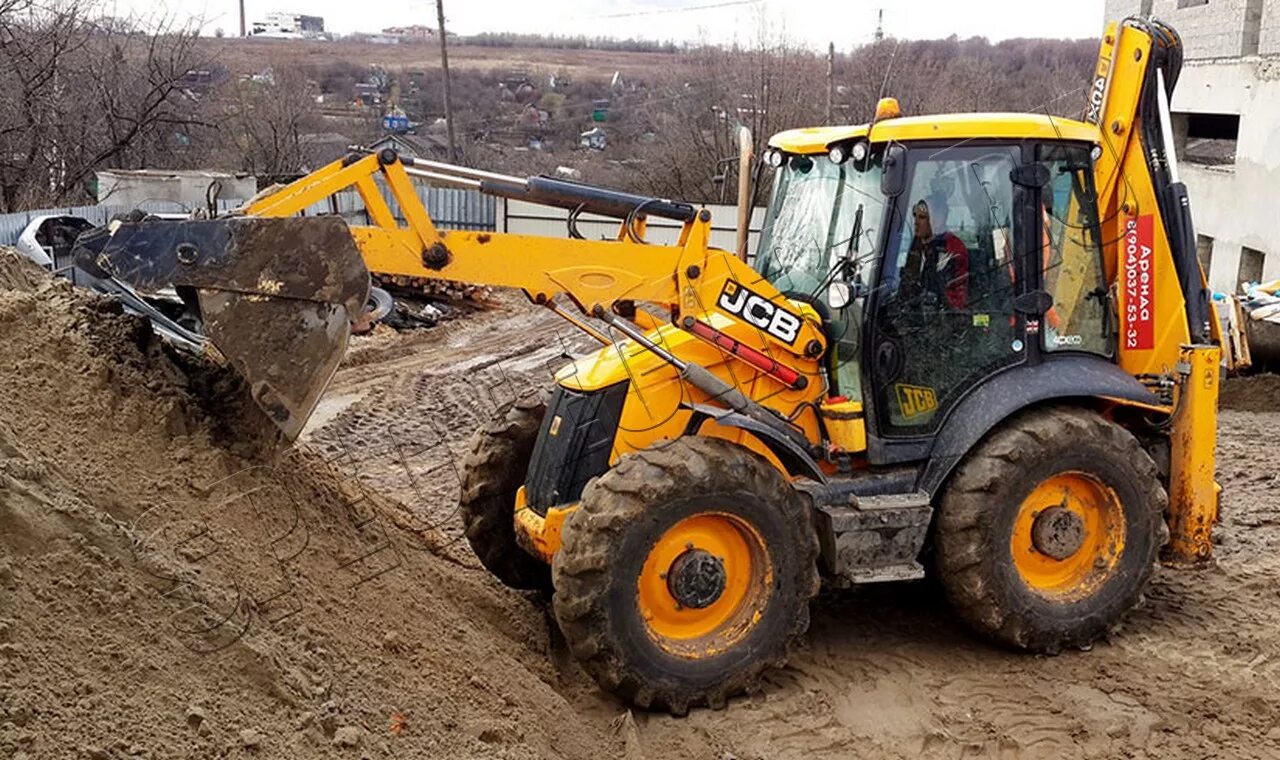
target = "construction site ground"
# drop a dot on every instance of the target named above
(173, 584)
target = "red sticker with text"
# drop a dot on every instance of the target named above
(1139, 283)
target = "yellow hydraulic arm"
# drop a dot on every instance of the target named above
(596, 275)
(276, 292)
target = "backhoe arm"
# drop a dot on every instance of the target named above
(1142, 205)
(1167, 337)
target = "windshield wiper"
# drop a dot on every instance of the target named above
(841, 266)
(857, 233)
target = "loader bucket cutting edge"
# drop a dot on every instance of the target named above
(275, 296)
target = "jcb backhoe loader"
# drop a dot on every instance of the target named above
(978, 342)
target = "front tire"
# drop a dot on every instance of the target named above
(492, 471)
(1049, 530)
(685, 574)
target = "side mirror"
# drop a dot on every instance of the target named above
(839, 295)
(894, 179)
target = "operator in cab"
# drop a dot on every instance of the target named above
(937, 262)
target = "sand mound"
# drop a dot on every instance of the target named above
(172, 584)
(1251, 393)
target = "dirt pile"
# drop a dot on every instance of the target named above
(1251, 393)
(174, 585)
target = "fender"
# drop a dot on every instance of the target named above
(1066, 376)
(793, 457)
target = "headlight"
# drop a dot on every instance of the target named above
(774, 158)
(860, 151)
(838, 154)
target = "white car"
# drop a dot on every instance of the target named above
(49, 240)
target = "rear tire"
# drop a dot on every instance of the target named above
(692, 502)
(1045, 482)
(492, 471)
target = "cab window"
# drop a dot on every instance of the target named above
(1071, 254)
(811, 219)
(822, 225)
(945, 315)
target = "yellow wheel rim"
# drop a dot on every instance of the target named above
(704, 584)
(1068, 535)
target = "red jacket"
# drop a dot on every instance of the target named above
(953, 270)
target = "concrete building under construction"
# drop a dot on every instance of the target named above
(1226, 114)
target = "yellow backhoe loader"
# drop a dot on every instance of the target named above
(977, 343)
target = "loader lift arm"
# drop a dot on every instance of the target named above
(233, 268)
(587, 272)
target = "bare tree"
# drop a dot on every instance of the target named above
(266, 118)
(771, 86)
(79, 93)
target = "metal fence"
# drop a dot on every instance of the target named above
(450, 208)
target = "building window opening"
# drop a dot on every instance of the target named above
(1251, 262)
(1211, 138)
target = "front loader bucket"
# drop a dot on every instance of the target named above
(275, 296)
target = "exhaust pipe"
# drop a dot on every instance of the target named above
(745, 158)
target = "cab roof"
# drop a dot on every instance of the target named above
(940, 127)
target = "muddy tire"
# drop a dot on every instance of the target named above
(686, 573)
(492, 471)
(1049, 530)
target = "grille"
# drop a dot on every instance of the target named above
(573, 445)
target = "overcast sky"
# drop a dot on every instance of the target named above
(811, 22)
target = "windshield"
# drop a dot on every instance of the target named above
(811, 220)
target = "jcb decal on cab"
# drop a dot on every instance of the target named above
(915, 400)
(755, 309)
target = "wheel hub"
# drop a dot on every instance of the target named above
(696, 579)
(1057, 532)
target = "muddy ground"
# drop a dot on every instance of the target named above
(170, 590)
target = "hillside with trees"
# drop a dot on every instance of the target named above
(82, 92)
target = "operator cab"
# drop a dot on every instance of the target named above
(938, 251)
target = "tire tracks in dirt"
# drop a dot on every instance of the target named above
(889, 672)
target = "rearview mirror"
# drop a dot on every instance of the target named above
(894, 179)
(839, 295)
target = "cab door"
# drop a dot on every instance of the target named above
(943, 315)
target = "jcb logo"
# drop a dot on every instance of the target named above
(915, 400)
(1098, 91)
(757, 310)
(1094, 113)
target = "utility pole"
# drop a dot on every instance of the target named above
(448, 99)
(879, 24)
(831, 82)
(241, 18)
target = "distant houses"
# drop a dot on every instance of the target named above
(297, 26)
